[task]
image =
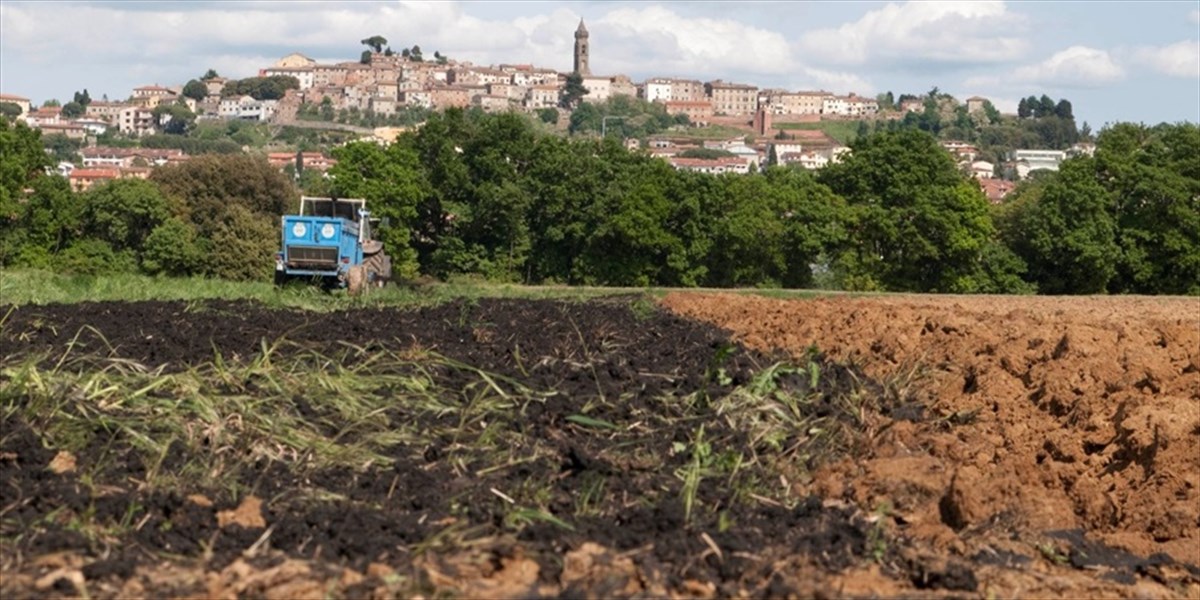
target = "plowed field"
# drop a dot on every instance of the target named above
(709, 445)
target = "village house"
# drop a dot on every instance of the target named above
(698, 112)
(490, 103)
(124, 158)
(732, 98)
(46, 115)
(215, 85)
(541, 96)
(108, 111)
(308, 160)
(975, 104)
(71, 131)
(996, 190)
(712, 166)
(443, 97)
(1033, 160)
(982, 169)
(20, 101)
(416, 98)
(797, 103)
(82, 180)
(303, 75)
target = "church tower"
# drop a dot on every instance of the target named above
(581, 50)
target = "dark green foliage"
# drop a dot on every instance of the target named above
(72, 110)
(375, 43)
(261, 88)
(174, 248)
(174, 118)
(916, 223)
(62, 148)
(123, 213)
(572, 92)
(196, 90)
(709, 153)
(10, 110)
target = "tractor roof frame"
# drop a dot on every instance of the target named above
(346, 208)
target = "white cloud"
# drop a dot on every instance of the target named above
(838, 82)
(1075, 67)
(631, 39)
(1194, 17)
(946, 32)
(1177, 60)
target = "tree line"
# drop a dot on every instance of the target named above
(494, 196)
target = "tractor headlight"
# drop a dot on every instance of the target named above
(298, 230)
(327, 231)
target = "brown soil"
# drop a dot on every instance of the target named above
(1006, 447)
(1068, 424)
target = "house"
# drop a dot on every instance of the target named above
(698, 112)
(975, 104)
(135, 120)
(46, 115)
(152, 91)
(657, 90)
(82, 180)
(108, 111)
(541, 96)
(308, 160)
(70, 130)
(125, 158)
(599, 88)
(447, 96)
(713, 166)
(996, 190)
(295, 60)
(303, 75)
(912, 105)
(215, 85)
(490, 103)
(835, 105)
(732, 98)
(418, 98)
(1032, 160)
(20, 101)
(963, 152)
(796, 103)
(859, 106)
(982, 169)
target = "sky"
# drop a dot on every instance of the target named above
(1114, 61)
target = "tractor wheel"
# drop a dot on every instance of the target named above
(356, 280)
(379, 268)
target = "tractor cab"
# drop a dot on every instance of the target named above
(331, 239)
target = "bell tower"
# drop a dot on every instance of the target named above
(581, 50)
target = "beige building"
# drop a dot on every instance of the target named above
(697, 112)
(443, 97)
(295, 60)
(732, 98)
(797, 103)
(541, 96)
(20, 101)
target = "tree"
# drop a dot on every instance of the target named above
(391, 181)
(51, 103)
(196, 90)
(209, 74)
(375, 43)
(10, 110)
(123, 213)
(22, 163)
(886, 101)
(548, 116)
(83, 98)
(572, 92)
(415, 54)
(72, 110)
(173, 248)
(174, 118)
(917, 223)
(1023, 109)
(1064, 233)
(990, 111)
(365, 57)
(1062, 110)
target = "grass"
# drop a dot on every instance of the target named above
(842, 131)
(26, 286)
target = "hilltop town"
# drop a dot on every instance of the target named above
(750, 127)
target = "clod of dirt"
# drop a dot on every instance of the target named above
(248, 514)
(63, 462)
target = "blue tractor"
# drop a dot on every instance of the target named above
(330, 240)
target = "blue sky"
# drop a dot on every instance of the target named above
(1115, 61)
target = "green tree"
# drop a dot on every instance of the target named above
(83, 98)
(123, 213)
(22, 162)
(916, 224)
(548, 115)
(1064, 232)
(10, 110)
(415, 54)
(173, 248)
(51, 220)
(375, 43)
(51, 103)
(365, 57)
(196, 90)
(1023, 109)
(72, 110)
(572, 91)
(990, 112)
(209, 74)
(391, 181)
(174, 118)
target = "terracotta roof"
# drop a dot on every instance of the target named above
(95, 174)
(11, 97)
